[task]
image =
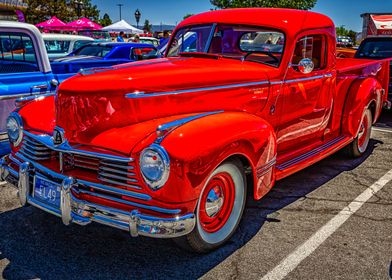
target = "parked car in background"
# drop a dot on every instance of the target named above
(149, 40)
(59, 45)
(344, 42)
(379, 47)
(97, 35)
(111, 51)
(173, 148)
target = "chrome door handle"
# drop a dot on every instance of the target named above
(44, 86)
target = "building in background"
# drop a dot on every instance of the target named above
(12, 9)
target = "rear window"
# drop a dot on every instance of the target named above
(17, 54)
(375, 49)
(94, 50)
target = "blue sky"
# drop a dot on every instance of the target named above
(343, 12)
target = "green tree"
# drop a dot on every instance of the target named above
(187, 16)
(341, 31)
(38, 10)
(105, 20)
(293, 4)
(147, 26)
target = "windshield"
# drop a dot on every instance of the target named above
(93, 50)
(375, 49)
(238, 42)
(57, 46)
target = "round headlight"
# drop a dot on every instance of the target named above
(155, 166)
(14, 128)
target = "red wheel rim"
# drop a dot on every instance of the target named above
(222, 187)
(363, 132)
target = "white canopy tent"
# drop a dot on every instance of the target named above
(124, 26)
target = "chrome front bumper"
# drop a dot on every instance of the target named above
(73, 210)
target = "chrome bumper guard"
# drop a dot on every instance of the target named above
(73, 210)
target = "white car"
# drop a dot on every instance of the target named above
(149, 40)
(59, 45)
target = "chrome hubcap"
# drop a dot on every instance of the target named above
(215, 200)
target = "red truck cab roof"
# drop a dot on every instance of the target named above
(290, 21)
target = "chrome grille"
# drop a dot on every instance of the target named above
(108, 171)
(34, 150)
(119, 173)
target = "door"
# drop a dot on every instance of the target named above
(307, 98)
(20, 75)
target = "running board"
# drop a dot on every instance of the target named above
(289, 167)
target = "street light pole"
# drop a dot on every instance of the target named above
(138, 15)
(79, 6)
(120, 7)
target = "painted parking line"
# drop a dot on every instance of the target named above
(382, 130)
(309, 246)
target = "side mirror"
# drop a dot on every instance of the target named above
(305, 66)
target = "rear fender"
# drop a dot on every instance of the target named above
(196, 148)
(362, 94)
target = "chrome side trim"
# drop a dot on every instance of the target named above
(32, 97)
(47, 141)
(309, 154)
(164, 129)
(21, 95)
(153, 94)
(264, 169)
(327, 75)
(60, 177)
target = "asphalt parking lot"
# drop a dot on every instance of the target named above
(298, 231)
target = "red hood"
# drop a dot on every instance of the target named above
(89, 105)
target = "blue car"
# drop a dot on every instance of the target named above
(104, 51)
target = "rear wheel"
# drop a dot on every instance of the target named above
(219, 210)
(360, 144)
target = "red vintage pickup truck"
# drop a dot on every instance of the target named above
(170, 148)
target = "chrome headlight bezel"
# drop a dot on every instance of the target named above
(15, 120)
(159, 151)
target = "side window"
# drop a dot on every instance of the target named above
(313, 47)
(17, 53)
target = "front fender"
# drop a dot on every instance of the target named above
(196, 148)
(362, 93)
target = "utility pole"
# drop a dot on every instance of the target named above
(120, 6)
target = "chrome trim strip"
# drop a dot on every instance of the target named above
(3, 136)
(164, 129)
(128, 167)
(309, 154)
(118, 183)
(47, 141)
(101, 187)
(327, 75)
(17, 96)
(264, 169)
(37, 153)
(130, 203)
(153, 94)
(32, 97)
(113, 176)
(103, 168)
(34, 146)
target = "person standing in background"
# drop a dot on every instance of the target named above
(120, 37)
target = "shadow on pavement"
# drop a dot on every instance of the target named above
(37, 245)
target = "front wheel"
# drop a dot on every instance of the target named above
(360, 144)
(219, 210)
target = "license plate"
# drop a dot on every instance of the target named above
(47, 191)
